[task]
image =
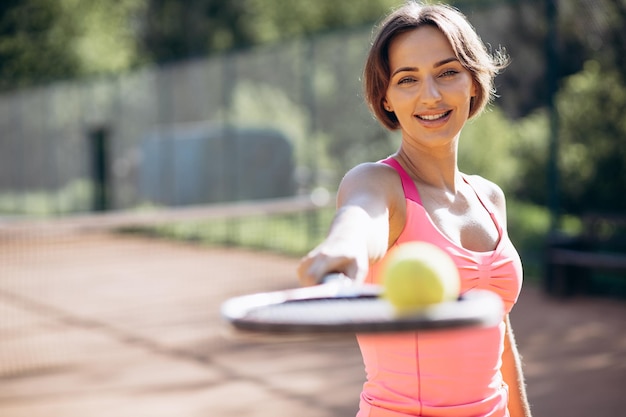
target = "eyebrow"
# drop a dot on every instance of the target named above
(436, 65)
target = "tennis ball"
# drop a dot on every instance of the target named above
(418, 274)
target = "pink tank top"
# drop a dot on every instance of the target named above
(448, 373)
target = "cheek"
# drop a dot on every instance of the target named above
(463, 92)
(400, 97)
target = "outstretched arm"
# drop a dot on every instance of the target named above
(359, 233)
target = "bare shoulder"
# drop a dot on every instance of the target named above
(375, 168)
(372, 176)
(377, 188)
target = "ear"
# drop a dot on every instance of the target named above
(474, 90)
(387, 106)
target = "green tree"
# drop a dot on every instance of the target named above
(180, 29)
(42, 41)
(105, 34)
(284, 19)
(33, 43)
(590, 103)
(592, 145)
(486, 148)
(593, 140)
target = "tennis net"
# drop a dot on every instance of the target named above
(287, 225)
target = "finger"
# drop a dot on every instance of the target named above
(323, 266)
(306, 275)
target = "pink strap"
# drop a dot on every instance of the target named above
(486, 204)
(410, 190)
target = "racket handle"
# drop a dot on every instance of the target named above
(345, 286)
(337, 278)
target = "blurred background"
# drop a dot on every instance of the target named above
(125, 104)
(209, 136)
(118, 105)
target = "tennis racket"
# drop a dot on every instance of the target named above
(339, 305)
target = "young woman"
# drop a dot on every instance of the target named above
(427, 73)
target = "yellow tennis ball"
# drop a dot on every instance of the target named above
(417, 274)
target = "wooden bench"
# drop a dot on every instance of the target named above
(570, 260)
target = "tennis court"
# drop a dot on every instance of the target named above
(122, 325)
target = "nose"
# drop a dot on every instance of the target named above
(430, 93)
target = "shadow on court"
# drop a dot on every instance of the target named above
(125, 326)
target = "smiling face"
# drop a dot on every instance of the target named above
(429, 89)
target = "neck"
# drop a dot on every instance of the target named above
(434, 169)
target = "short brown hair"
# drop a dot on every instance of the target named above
(467, 46)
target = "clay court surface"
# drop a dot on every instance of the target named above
(127, 326)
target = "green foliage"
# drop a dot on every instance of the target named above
(528, 224)
(43, 41)
(486, 149)
(531, 138)
(592, 146)
(75, 196)
(528, 228)
(512, 153)
(592, 29)
(274, 20)
(592, 140)
(33, 43)
(174, 29)
(177, 29)
(104, 37)
(290, 234)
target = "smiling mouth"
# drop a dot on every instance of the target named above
(433, 117)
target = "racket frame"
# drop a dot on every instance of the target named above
(475, 308)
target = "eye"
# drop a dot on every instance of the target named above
(449, 73)
(407, 80)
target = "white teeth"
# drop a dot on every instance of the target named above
(433, 116)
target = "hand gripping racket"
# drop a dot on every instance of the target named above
(341, 306)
